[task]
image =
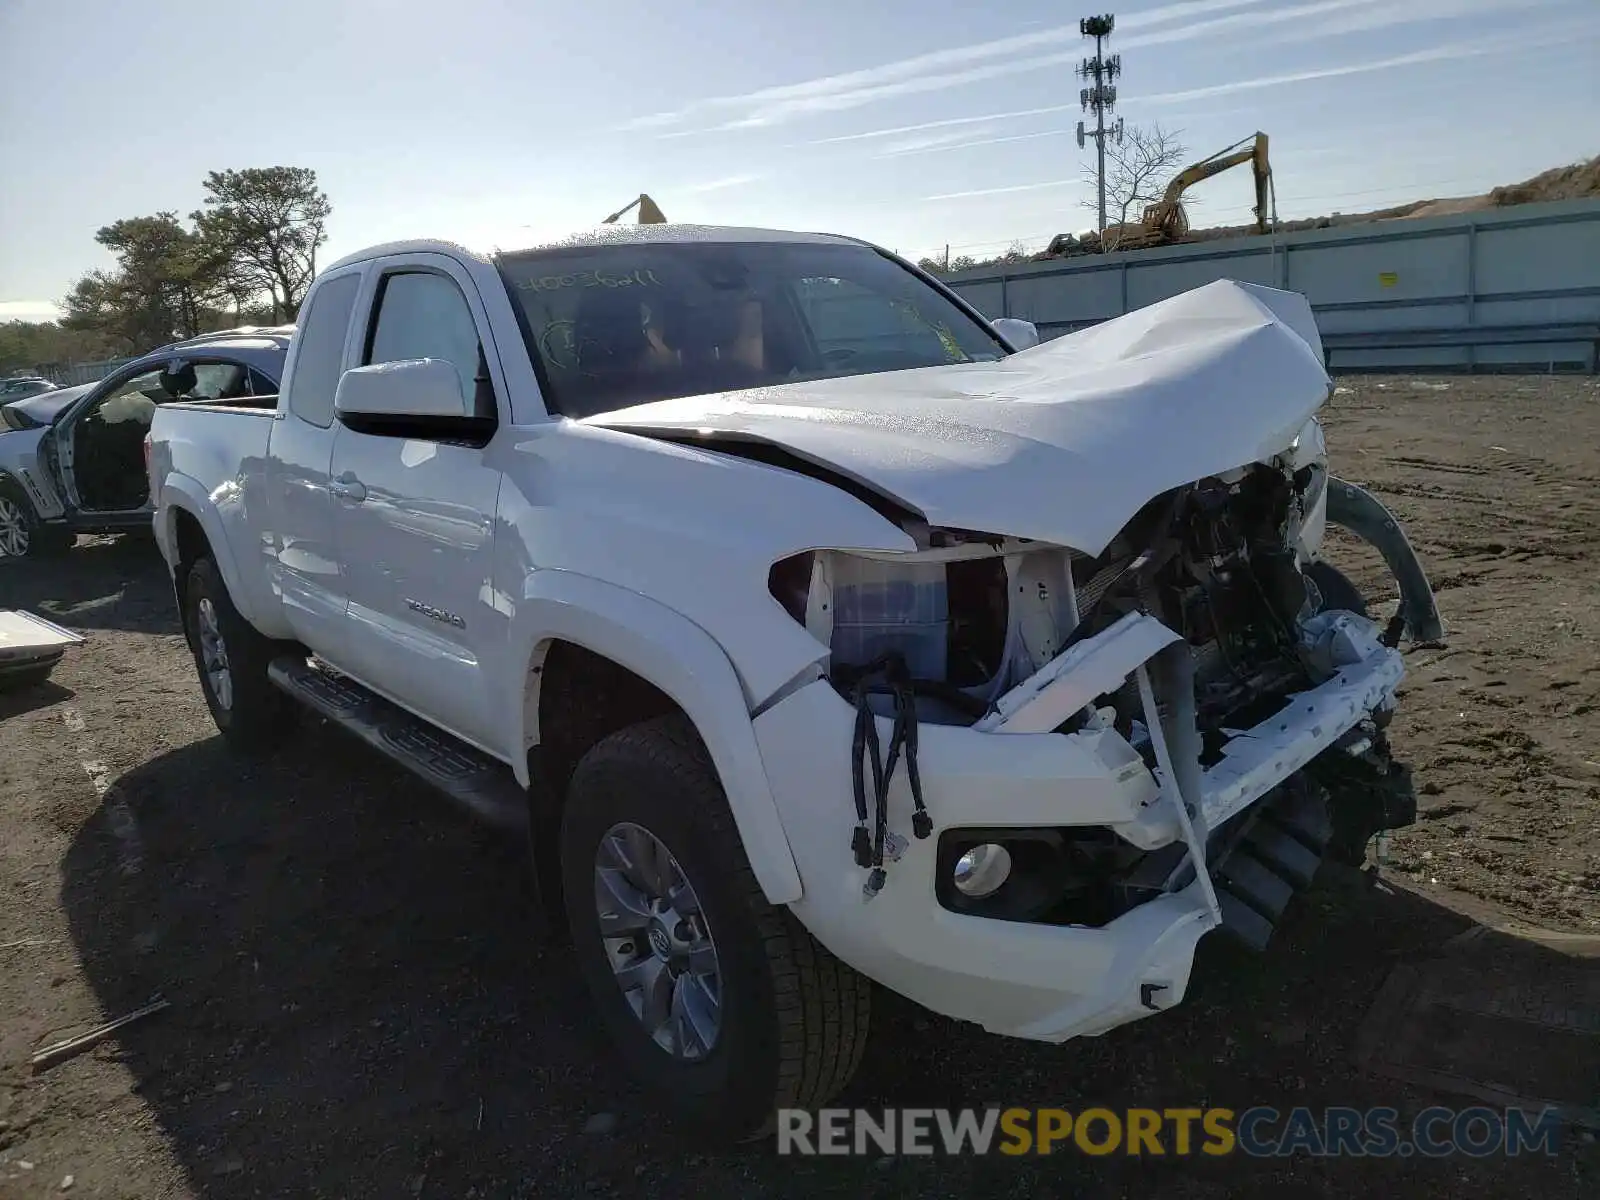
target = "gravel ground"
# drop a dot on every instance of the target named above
(360, 1006)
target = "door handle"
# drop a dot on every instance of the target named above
(348, 487)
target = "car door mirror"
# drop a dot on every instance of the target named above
(413, 388)
(1018, 334)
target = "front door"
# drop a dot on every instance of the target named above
(414, 518)
(100, 446)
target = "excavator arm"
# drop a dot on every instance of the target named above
(1165, 218)
(649, 212)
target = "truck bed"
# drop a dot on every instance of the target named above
(185, 440)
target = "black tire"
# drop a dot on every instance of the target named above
(43, 541)
(257, 715)
(1336, 589)
(793, 1018)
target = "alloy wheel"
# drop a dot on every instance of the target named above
(657, 941)
(214, 654)
(14, 531)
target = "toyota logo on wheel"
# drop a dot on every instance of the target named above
(659, 941)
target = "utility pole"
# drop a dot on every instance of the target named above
(1101, 96)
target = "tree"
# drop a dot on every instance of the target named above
(938, 266)
(32, 346)
(1137, 171)
(260, 230)
(162, 287)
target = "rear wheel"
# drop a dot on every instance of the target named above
(721, 1003)
(232, 658)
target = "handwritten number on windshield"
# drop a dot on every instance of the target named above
(641, 277)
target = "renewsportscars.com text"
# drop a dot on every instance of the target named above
(1259, 1132)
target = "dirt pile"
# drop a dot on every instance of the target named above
(1573, 182)
(1576, 181)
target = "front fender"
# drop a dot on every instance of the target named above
(682, 660)
(22, 463)
(180, 493)
(1352, 507)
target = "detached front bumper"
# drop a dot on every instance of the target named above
(1049, 982)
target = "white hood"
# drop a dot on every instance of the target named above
(1062, 443)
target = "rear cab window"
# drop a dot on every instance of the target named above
(319, 352)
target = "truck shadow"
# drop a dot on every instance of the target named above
(360, 1008)
(115, 583)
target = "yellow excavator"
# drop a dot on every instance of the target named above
(649, 212)
(1165, 221)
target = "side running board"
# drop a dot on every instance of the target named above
(483, 786)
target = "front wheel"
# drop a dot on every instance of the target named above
(232, 659)
(22, 534)
(719, 1002)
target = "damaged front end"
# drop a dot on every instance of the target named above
(1230, 682)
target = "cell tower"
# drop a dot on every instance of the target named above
(1100, 97)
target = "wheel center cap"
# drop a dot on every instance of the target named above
(660, 940)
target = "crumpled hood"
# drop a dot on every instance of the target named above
(1062, 443)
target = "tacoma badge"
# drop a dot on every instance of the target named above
(437, 614)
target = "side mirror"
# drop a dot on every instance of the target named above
(1017, 333)
(427, 388)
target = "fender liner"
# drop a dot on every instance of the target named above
(680, 658)
(181, 493)
(1352, 507)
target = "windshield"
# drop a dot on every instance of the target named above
(623, 324)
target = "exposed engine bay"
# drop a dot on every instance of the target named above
(981, 631)
(972, 615)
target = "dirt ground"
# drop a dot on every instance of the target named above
(360, 1006)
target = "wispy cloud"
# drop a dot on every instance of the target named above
(922, 72)
(1003, 191)
(898, 151)
(1444, 53)
(717, 185)
(1582, 27)
(947, 123)
(940, 70)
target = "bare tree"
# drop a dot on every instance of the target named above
(1137, 170)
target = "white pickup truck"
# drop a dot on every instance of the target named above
(818, 630)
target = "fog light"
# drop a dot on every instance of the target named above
(982, 870)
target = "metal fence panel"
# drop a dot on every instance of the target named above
(1481, 289)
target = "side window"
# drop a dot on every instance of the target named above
(217, 381)
(319, 358)
(260, 385)
(424, 315)
(133, 400)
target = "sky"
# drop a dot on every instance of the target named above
(504, 123)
